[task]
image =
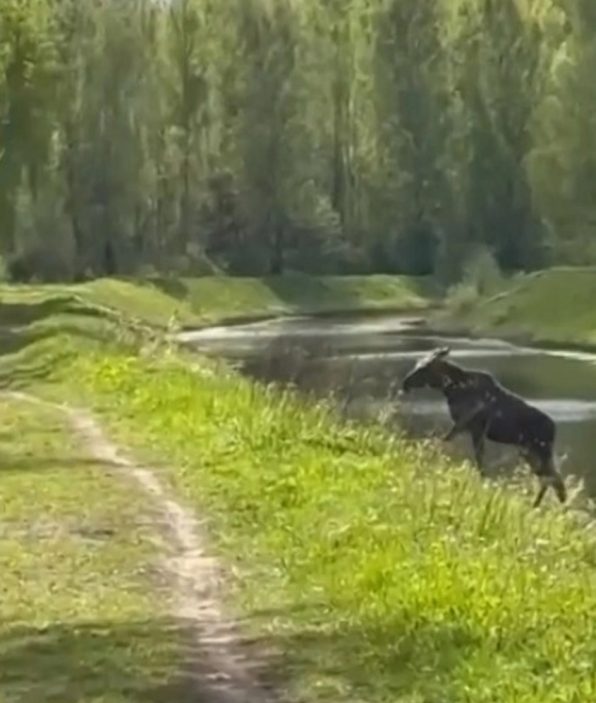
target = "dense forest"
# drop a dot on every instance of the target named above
(256, 136)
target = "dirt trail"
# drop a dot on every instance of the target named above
(217, 667)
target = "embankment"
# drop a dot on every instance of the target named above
(198, 301)
(371, 568)
(555, 307)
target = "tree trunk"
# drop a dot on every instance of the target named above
(276, 264)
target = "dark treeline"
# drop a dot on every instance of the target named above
(323, 135)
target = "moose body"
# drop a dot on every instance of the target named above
(480, 405)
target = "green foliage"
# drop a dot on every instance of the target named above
(155, 300)
(462, 297)
(483, 271)
(481, 277)
(260, 136)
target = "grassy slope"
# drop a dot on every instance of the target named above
(194, 301)
(376, 570)
(558, 306)
(76, 621)
(214, 298)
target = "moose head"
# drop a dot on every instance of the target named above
(428, 372)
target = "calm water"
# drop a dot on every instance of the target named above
(359, 358)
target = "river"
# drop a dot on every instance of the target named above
(359, 357)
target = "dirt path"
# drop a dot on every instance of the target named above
(217, 667)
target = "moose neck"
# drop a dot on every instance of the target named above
(453, 379)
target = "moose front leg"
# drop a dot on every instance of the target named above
(462, 423)
(479, 445)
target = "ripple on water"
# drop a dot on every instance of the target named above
(560, 409)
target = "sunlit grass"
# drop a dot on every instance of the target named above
(372, 567)
(377, 569)
(79, 620)
(193, 301)
(556, 306)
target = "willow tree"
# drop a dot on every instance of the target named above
(26, 91)
(412, 114)
(268, 37)
(503, 75)
(371, 135)
(563, 160)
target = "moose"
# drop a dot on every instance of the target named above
(480, 405)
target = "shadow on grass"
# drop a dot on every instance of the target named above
(9, 463)
(151, 661)
(170, 286)
(137, 662)
(304, 293)
(24, 376)
(309, 293)
(70, 663)
(380, 661)
(19, 372)
(15, 339)
(28, 313)
(20, 375)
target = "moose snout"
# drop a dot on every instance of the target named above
(406, 385)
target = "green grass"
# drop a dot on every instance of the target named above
(373, 568)
(77, 622)
(376, 570)
(196, 301)
(218, 297)
(553, 306)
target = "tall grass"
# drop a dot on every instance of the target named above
(374, 567)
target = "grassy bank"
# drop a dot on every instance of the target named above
(550, 307)
(373, 569)
(197, 301)
(377, 571)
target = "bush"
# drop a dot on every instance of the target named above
(482, 272)
(462, 297)
(482, 277)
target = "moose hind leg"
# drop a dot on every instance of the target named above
(558, 485)
(535, 466)
(549, 476)
(541, 491)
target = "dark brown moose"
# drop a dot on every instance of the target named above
(480, 405)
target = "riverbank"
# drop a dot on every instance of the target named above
(367, 567)
(196, 302)
(552, 308)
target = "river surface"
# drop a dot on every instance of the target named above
(360, 359)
